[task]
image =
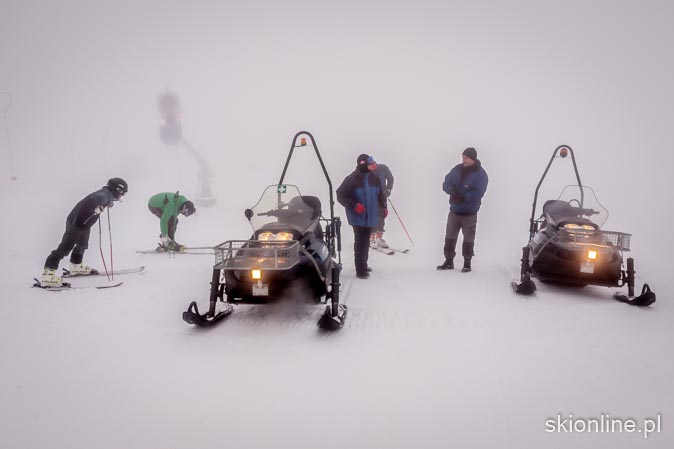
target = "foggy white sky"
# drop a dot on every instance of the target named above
(413, 83)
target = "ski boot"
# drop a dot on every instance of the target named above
(468, 253)
(50, 279)
(446, 265)
(379, 240)
(449, 251)
(80, 269)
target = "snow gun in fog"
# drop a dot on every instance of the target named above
(171, 134)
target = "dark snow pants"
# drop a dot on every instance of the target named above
(361, 248)
(172, 223)
(74, 239)
(467, 224)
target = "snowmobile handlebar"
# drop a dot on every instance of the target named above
(589, 212)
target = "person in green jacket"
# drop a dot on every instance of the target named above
(167, 206)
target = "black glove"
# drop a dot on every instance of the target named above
(387, 193)
(456, 198)
(452, 191)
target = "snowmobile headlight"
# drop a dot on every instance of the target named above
(284, 236)
(256, 274)
(265, 236)
(592, 255)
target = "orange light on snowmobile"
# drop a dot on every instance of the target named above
(284, 236)
(256, 274)
(592, 255)
(265, 236)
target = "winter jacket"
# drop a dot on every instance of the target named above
(364, 188)
(85, 213)
(466, 187)
(385, 176)
(169, 203)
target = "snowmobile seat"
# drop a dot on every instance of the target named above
(307, 210)
(558, 213)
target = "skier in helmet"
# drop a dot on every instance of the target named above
(75, 239)
(166, 206)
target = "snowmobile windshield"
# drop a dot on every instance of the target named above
(583, 206)
(284, 206)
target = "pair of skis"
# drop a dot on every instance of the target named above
(196, 250)
(69, 286)
(389, 251)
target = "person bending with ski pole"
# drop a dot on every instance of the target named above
(166, 206)
(78, 226)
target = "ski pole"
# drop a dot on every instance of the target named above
(9, 142)
(401, 221)
(100, 247)
(112, 266)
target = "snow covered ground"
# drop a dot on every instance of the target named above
(426, 358)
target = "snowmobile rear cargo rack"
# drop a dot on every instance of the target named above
(619, 240)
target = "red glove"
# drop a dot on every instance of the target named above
(359, 209)
(385, 213)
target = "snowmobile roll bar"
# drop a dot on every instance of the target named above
(562, 150)
(320, 159)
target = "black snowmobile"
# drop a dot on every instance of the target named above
(565, 247)
(288, 246)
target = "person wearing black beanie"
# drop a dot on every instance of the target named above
(465, 184)
(363, 197)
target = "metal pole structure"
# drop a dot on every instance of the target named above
(9, 143)
(401, 221)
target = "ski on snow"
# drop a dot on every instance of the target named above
(66, 286)
(194, 251)
(67, 274)
(389, 251)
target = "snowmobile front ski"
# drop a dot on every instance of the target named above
(525, 288)
(328, 322)
(645, 299)
(68, 274)
(67, 286)
(192, 315)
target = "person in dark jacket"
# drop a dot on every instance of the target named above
(78, 225)
(363, 197)
(166, 206)
(465, 184)
(386, 178)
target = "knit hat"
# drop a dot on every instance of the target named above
(470, 153)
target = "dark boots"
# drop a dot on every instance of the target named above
(467, 252)
(450, 252)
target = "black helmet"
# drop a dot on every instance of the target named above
(188, 208)
(117, 186)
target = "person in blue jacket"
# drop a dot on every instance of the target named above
(363, 197)
(465, 184)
